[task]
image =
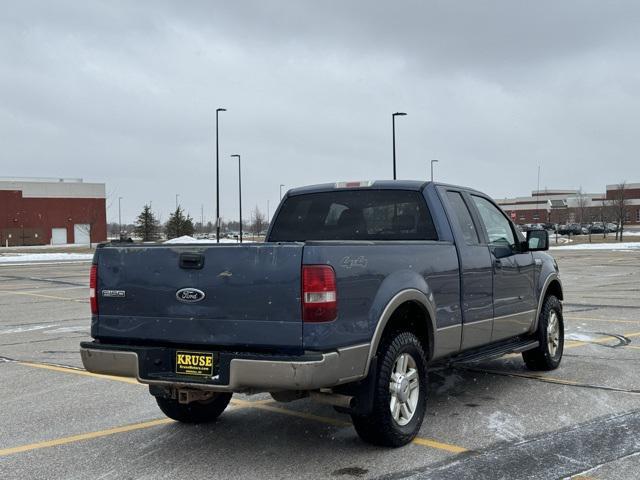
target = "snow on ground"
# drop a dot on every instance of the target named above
(48, 246)
(44, 257)
(188, 239)
(601, 246)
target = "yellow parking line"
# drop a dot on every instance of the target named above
(293, 413)
(84, 436)
(439, 445)
(257, 404)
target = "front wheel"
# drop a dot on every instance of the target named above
(400, 394)
(550, 335)
(195, 412)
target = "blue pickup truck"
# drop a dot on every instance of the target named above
(357, 290)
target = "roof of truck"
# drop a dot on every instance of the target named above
(361, 184)
(417, 185)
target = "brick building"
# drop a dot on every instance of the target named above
(48, 211)
(571, 206)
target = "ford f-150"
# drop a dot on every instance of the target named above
(358, 288)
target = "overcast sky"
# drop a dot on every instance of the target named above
(125, 93)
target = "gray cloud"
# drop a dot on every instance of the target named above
(125, 92)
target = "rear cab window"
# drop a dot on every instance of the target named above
(354, 215)
(465, 221)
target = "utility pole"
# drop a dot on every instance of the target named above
(119, 217)
(538, 195)
(239, 191)
(393, 134)
(202, 217)
(218, 110)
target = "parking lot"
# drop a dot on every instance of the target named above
(492, 419)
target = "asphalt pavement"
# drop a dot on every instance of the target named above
(486, 420)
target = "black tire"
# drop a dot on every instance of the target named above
(542, 357)
(379, 427)
(194, 412)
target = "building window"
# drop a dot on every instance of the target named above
(638, 215)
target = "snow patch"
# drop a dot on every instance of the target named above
(506, 427)
(188, 239)
(578, 336)
(43, 257)
(26, 328)
(601, 246)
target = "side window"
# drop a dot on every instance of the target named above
(464, 218)
(496, 224)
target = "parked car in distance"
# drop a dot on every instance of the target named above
(570, 229)
(358, 289)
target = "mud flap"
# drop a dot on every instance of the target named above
(362, 392)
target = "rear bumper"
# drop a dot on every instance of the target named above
(237, 372)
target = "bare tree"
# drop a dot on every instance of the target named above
(604, 217)
(582, 201)
(620, 207)
(259, 221)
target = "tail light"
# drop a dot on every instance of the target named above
(93, 285)
(319, 296)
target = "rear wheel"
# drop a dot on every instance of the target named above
(548, 354)
(400, 398)
(194, 412)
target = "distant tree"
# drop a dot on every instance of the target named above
(582, 201)
(258, 221)
(179, 224)
(147, 226)
(620, 207)
(113, 229)
(208, 228)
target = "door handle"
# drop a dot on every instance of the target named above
(193, 261)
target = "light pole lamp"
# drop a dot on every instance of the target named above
(432, 162)
(393, 133)
(239, 191)
(218, 110)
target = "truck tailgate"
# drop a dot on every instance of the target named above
(251, 295)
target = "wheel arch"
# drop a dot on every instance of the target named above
(410, 307)
(552, 286)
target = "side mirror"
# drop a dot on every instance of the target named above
(537, 240)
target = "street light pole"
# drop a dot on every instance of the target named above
(432, 162)
(393, 133)
(281, 185)
(239, 192)
(119, 217)
(218, 110)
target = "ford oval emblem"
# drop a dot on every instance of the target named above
(190, 295)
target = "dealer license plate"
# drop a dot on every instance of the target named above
(194, 363)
